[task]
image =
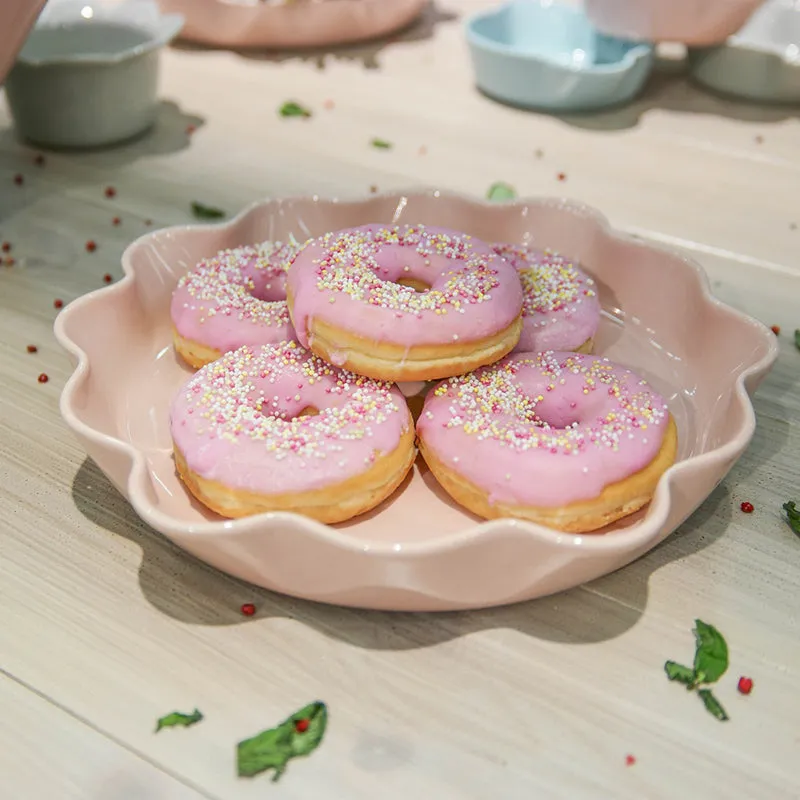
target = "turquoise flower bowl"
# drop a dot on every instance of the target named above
(544, 55)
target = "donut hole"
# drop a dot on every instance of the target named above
(414, 283)
(269, 410)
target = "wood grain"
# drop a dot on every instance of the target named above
(104, 625)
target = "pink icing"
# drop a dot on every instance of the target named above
(237, 297)
(544, 429)
(235, 421)
(348, 279)
(560, 309)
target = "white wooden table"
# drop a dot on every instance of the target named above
(104, 626)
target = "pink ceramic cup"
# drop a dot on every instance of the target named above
(698, 23)
(16, 19)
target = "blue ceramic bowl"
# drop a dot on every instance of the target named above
(541, 54)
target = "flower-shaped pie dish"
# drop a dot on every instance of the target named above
(291, 23)
(418, 550)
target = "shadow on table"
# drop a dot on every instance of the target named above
(670, 89)
(170, 134)
(367, 52)
(190, 591)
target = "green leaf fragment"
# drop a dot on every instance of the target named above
(797, 338)
(206, 212)
(176, 719)
(677, 672)
(711, 654)
(498, 192)
(792, 516)
(299, 735)
(381, 144)
(292, 109)
(713, 706)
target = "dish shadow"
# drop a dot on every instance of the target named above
(670, 88)
(365, 52)
(190, 591)
(170, 134)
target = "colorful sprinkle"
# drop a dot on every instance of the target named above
(231, 397)
(494, 403)
(550, 282)
(350, 265)
(233, 283)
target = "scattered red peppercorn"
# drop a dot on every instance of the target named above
(32, 348)
(630, 760)
(110, 192)
(776, 329)
(58, 303)
(190, 129)
(745, 685)
(43, 378)
(91, 246)
(748, 508)
(19, 179)
(39, 160)
(248, 609)
(9, 262)
(301, 725)
(562, 176)
(6, 247)
(116, 221)
(107, 278)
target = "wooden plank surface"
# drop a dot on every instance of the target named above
(114, 626)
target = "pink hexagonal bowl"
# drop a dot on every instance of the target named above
(418, 551)
(319, 23)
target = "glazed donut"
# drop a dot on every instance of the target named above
(237, 297)
(404, 303)
(274, 428)
(560, 307)
(570, 441)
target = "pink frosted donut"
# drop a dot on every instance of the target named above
(567, 440)
(404, 303)
(237, 297)
(275, 428)
(560, 307)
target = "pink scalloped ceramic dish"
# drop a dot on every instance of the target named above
(418, 551)
(306, 23)
(699, 23)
